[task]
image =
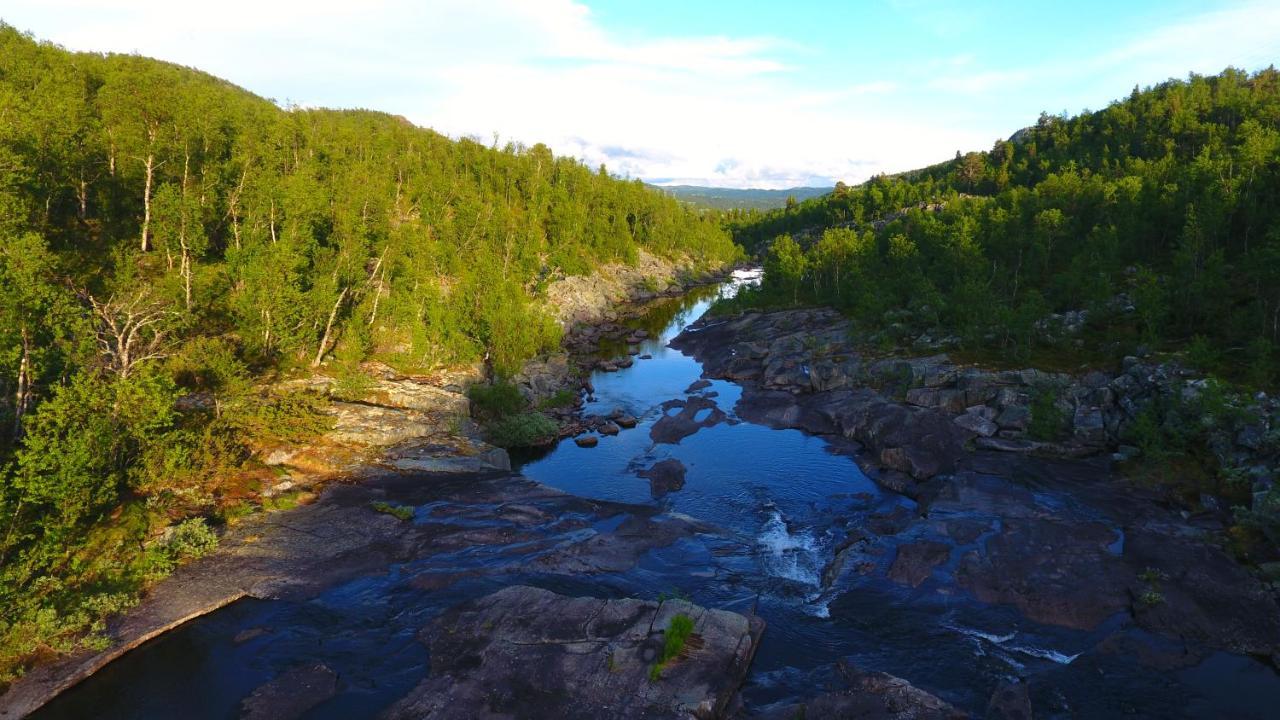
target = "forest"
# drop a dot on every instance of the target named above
(165, 235)
(1157, 216)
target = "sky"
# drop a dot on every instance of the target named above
(732, 93)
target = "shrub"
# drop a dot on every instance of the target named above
(1203, 354)
(561, 398)
(524, 430)
(189, 540)
(1048, 421)
(495, 401)
(288, 416)
(351, 384)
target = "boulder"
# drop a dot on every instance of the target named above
(1088, 425)
(695, 414)
(291, 694)
(919, 442)
(543, 377)
(664, 476)
(871, 696)
(528, 652)
(1014, 417)
(977, 424)
(586, 441)
(1010, 701)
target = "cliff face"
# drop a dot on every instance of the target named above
(592, 298)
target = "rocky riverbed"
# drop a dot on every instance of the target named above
(1045, 527)
(902, 570)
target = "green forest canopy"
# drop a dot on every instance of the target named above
(1169, 197)
(163, 231)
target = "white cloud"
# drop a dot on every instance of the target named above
(732, 111)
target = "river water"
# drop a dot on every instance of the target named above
(781, 503)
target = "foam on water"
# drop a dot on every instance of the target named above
(787, 555)
(1000, 640)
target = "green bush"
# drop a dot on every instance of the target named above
(189, 540)
(561, 398)
(351, 385)
(524, 430)
(495, 401)
(281, 416)
(1202, 354)
(1048, 421)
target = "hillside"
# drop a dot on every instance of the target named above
(1162, 203)
(740, 198)
(165, 235)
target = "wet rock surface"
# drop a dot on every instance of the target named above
(869, 696)
(1043, 527)
(291, 694)
(961, 567)
(297, 554)
(916, 561)
(524, 652)
(665, 476)
(694, 414)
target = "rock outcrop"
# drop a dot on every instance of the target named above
(525, 652)
(869, 696)
(1042, 526)
(897, 406)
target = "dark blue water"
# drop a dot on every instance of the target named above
(779, 503)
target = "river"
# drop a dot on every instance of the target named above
(781, 502)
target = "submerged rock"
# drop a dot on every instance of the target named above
(524, 652)
(1010, 701)
(291, 694)
(665, 476)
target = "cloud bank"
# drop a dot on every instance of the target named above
(736, 111)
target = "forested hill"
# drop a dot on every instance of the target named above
(244, 217)
(741, 198)
(1166, 202)
(164, 232)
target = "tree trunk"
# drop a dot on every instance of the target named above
(185, 269)
(146, 202)
(82, 194)
(328, 329)
(233, 206)
(186, 272)
(23, 397)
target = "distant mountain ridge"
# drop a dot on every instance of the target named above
(740, 198)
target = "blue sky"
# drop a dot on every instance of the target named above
(743, 94)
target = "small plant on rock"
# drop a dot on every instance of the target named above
(1150, 598)
(677, 634)
(400, 512)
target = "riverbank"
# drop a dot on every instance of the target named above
(1048, 528)
(1011, 582)
(400, 423)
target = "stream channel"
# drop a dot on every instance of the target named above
(777, 505)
